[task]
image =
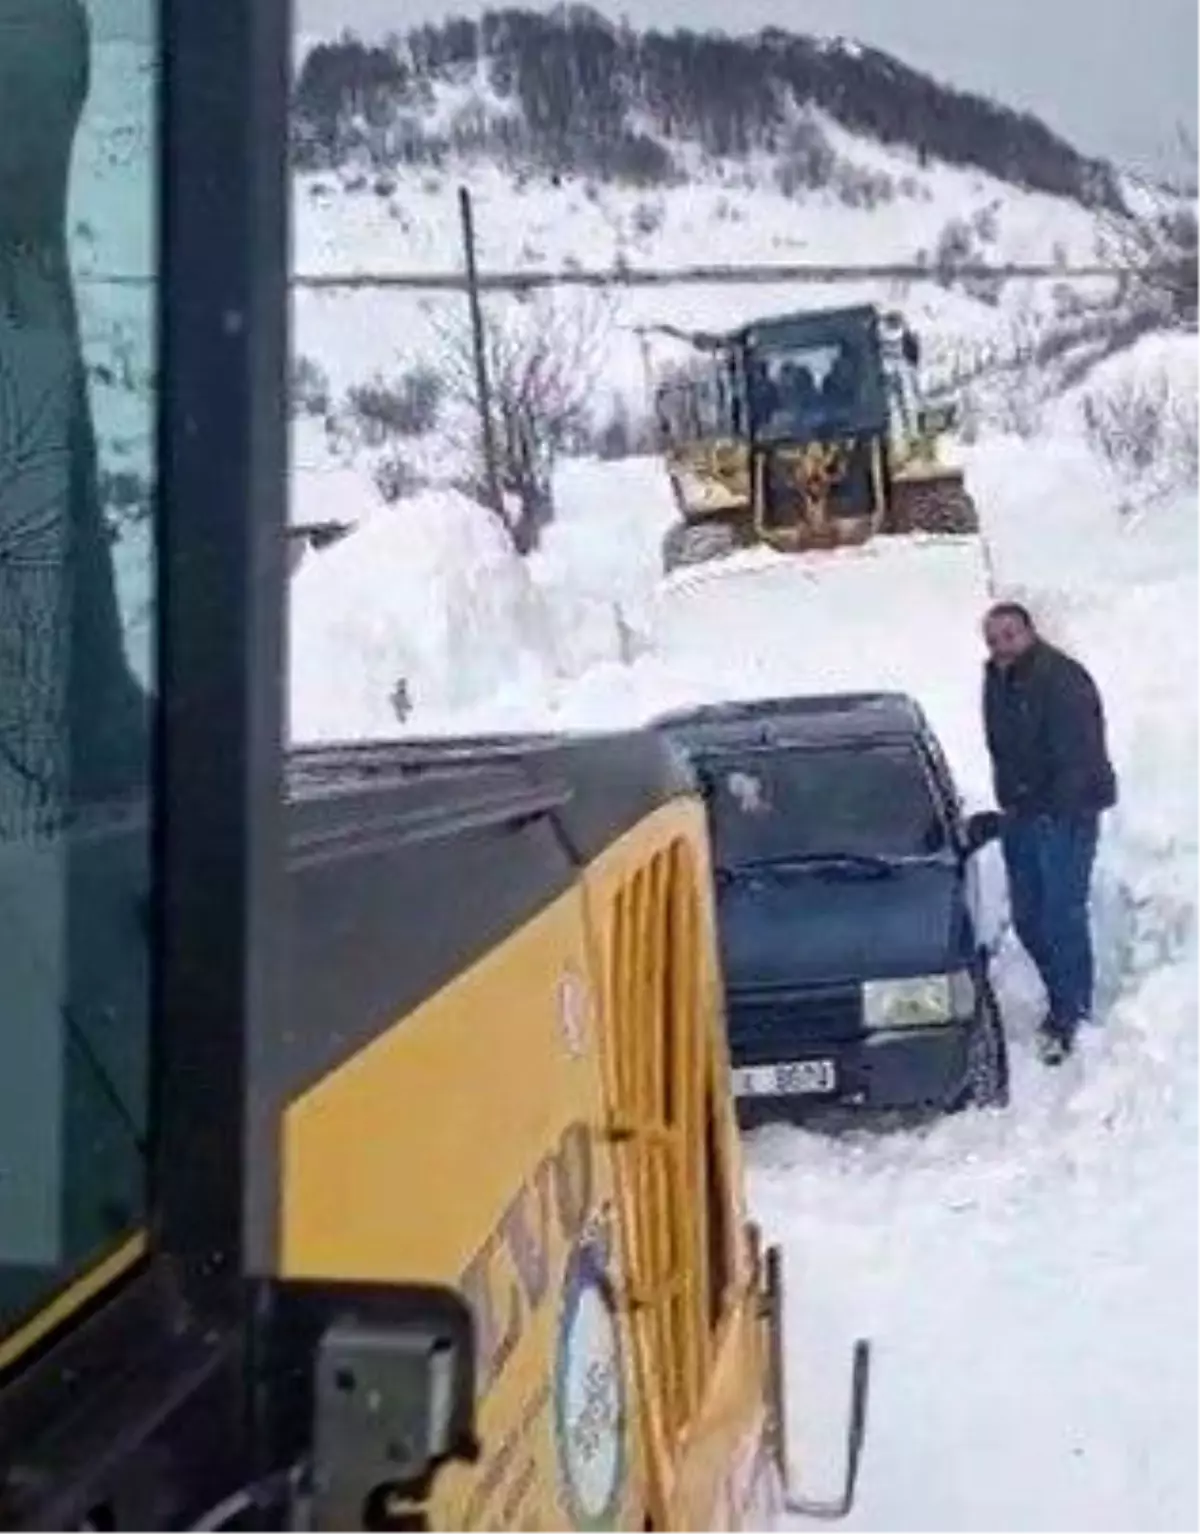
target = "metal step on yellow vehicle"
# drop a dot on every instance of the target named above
(367, 1157)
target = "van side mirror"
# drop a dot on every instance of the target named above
(980, 829)
(842, 1504)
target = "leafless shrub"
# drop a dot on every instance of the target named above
(405, 407)
(955, 247)
(624, 434)
(309, 387)
(1185, 442)
(859, 187)
(544, 359)
(1158, 255)
(647, 219)
(1127, 422)
(1017, 404)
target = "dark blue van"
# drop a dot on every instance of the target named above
(856, 969)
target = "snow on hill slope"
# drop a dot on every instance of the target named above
(407, 222)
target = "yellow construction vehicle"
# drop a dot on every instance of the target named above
(548, 1114)
(366, 1142)
(805, 431)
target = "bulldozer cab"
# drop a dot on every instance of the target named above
(818, 419)
(806, 431)
(815, 376)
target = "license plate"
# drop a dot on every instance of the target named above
(790, 1078)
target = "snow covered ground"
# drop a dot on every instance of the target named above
(1028, 1277)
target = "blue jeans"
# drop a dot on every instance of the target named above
(1049, 861)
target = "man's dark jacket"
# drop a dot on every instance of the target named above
(1046, 734)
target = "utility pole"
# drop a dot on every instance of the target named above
(482, 389)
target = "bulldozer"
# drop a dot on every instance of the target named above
(805, 431)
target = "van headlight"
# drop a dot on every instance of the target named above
(919, 1001)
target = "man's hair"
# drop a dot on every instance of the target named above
(1012, 610)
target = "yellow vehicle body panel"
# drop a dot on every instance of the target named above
(548, 1132)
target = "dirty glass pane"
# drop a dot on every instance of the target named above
(861, 801)
(77, 521)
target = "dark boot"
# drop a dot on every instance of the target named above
(1055, 1041)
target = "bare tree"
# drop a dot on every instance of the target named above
(1139, 424)
(1124, 424)
(544, 356)
(1157, 251)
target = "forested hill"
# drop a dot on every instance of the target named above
(568, 91)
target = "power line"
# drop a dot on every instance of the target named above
(648, 277)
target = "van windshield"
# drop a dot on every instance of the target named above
(799, 803)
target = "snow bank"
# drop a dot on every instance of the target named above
(1030, 1277)
(760, 623)
(324, 488)
(428, 592)
(600, 557)
(1121, 592)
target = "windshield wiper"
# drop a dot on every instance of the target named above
(872, 864)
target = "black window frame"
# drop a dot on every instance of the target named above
(221, 487)
(223, 318)
(220, 477)
(945, 787)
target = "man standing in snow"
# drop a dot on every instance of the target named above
(1053, 779)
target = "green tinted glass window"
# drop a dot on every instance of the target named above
(77, 523)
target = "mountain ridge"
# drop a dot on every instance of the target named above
(568, 92)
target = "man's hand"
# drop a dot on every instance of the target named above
(983, 827)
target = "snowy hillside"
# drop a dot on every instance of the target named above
(363, 336)
(822, 194)
(592, 147)
(570, 92)
(407, 221)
